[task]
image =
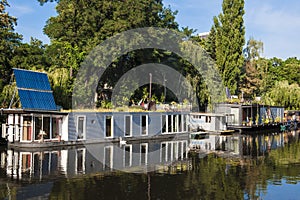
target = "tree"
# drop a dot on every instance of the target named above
(86, 24)
(254, 49)
(30, 56)
(289, 70)
(251, 75)
(229, 41)
(284, 94)
(210, 44)
(82, 25)
(62, 72)
(9, 40)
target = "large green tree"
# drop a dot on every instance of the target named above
(82, 25)
(9, 41)
(30, 56)
(229, 38)
(87, 23)
(289, 70)
(284, 94)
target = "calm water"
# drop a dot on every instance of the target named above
(264, 166)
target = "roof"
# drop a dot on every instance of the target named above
(208, 114)
(30, 111)
(34, 90)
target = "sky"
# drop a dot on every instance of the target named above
(275, 23)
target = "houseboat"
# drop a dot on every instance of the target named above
(39, 122)
(251, 117)
(28, 128)
(208, 122)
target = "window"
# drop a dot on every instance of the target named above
(127, 155)
(128, 125)
(184, 124)
(108, 126)
(27, 128)
(169, 123)
(144, 124)
(26, 162)
(46, 127)
(37, 127)
(144, 153)
(179, 123)
(163, 157)
(175, 150)
(208, 119)
(108, 158)
(184, 149)
(56, 127)
(180, 152)
(80, 127)
(169, 151)
(80, 161)
(175, 120)
(163, 123)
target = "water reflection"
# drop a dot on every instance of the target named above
(223, 167)
(250, 145)
(94, 158)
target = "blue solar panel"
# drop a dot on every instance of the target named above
(32, 80)
(34, 90)
(37, 100)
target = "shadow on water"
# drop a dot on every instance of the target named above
(222, 167)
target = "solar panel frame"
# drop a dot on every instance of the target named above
(32, 80)
(34, 90)
(37, 100)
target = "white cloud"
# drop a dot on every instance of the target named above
(276, 25)
(20, 10)
(273, 20)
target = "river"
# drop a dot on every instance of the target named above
(253, 166)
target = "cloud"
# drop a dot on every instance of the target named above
(274, 20)
(276, 25)
(20, 10)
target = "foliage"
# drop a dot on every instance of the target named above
(254, 49)
(87, 23)
(289, 70)
(61, 86)
(251, 79)
(106, 104)
(8, 44)
(228, 35)
(284, 94)
(289, 155)
(10, 94)
(210, 44)
(81, 25)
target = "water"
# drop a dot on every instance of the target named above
(257, 166)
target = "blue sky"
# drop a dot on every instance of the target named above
(274, 22)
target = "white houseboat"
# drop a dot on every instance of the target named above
(208, 122)
(39, 123)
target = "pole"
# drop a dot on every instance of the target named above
(150, 86)
(12, 99)
(165, 89)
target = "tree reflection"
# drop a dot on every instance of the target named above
(203, 176)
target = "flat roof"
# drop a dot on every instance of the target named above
(209, 114)
(28, 111)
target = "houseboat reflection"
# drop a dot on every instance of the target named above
(145, 156)
(94, 158)
(245, 145)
